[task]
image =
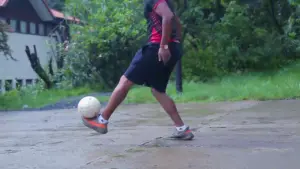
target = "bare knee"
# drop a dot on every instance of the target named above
(124, 83)
(153, 91)
(156, 92)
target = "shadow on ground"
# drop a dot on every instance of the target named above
(228, 135)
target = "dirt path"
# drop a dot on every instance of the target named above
(241, 135)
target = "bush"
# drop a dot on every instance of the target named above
(238, 42)
(35, 96)
(200, 65)
(103, 46)
(229, 37)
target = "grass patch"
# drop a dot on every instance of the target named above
(34, 98)
(252, 86)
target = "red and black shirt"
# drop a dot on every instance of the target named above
(154, 21)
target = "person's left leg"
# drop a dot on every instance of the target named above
(182, 131)
(159, 81)
(169, 106)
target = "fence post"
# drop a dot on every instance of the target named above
(14, 84)
(23, 82)
(179, 77)
(34, 82)
(2, 83)
(179, 87)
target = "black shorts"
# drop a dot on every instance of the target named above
(145, 68)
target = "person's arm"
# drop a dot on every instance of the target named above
(167, 15)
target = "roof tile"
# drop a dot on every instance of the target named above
(3, 2)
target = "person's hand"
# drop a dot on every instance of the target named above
(164, 55)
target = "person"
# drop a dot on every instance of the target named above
(151, 66)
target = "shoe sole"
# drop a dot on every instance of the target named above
(187, 137)
(97, 129)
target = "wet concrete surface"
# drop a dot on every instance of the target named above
(232, 135)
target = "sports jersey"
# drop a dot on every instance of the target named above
(154, 21)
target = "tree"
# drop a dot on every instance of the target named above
(4, 47)
(220, 36)
(37, 67)
(103, 46)
(56, 4)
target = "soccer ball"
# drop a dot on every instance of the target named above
(89, 106)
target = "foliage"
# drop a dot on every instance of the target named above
(4, 47)
(35, 96)
(220, 37)
(56, 4)
(106, 41)
(245, 38)
(280, 84)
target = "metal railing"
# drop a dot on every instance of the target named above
(11, 84)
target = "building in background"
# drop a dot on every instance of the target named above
(31, 22)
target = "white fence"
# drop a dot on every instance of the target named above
(10, 84)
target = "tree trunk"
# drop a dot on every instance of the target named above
(218, 9)
(273, 16)
(36, 66)
(179, 87)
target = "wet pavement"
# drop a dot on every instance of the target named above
(233, 135)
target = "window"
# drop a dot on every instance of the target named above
(8, 85)
(13, 24)
(23, 27)
(32, 28)
(19, 83)
(41, 29)
(29, 82)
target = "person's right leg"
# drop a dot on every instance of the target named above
(135, 74)
(117, 97)
(99, 123)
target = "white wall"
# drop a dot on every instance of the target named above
(21, 69)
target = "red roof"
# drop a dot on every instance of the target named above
(59, 14)
(54, 12)
(3, 2)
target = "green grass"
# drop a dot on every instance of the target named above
(252, 86)
(33, 99)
